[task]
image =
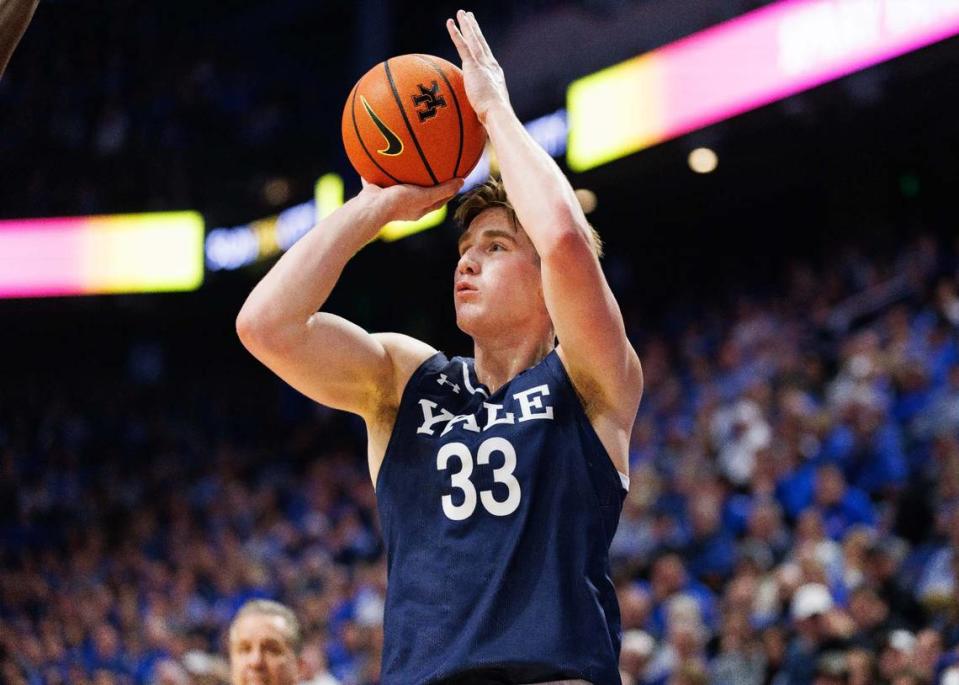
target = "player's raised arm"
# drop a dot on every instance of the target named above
(324, 356)
(585, 315)
(15, 16)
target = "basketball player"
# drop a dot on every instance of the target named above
(264, 645)
(499, 478)
(15, 16)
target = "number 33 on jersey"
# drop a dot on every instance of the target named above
(461, 478)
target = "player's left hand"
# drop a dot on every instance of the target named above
(405, 202)
(482, 74)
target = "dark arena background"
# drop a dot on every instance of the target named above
(784, 248)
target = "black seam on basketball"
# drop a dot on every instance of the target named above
(360, 138)
(399, 103)
(459, 115)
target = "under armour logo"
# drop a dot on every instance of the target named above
(442, 380)
(431, 98)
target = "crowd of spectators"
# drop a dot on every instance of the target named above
(793, 515)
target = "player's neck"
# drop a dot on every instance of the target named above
(499, 361)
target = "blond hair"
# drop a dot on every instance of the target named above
(492, 194)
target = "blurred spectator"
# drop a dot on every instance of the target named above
(264, 645)
(937, 584)
(832, 668)
(635, 654)
(927, 654)
(711, 549)
(767, 538)
(871, 616)
(670, 580)
(820, 627)
(681, 657)
(690, 674)
(862, 666)
(314, 666)
(896, 657)
(840, 505)
(741, 660)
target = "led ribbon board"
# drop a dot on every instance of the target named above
(739, 65)
(124, 253)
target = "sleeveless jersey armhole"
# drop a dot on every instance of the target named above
(397, 426)
(561, 372)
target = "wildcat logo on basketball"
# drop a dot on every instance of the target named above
(431, 98)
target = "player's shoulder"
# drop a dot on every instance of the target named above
(405, 351)
(404, 345)
(406, 355)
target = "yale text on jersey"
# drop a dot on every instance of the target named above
(527, 405)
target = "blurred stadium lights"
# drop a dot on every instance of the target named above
(328, 195)
(232, 248)
(758, 58)
(276, 191)
(703, 160)
(108, 254)
(551, 132)
(587, 199)
(293, 223)
(229, 248)
(401, 229)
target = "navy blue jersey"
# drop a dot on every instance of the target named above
(498, 512)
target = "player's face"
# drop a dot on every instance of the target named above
(497, 285)
(260, 652)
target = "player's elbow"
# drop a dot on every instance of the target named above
(565, 229)
(247, 329)
(255, 332)
(567, 242)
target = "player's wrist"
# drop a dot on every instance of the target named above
(372, 210)
(498, 113)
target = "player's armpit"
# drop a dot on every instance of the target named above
(406, 355)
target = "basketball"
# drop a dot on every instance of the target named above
(408, 120)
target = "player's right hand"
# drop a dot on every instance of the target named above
(404, 202)
(482, 75)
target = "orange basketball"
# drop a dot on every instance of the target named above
(408, 120)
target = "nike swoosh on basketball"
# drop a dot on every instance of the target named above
(394, 145)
